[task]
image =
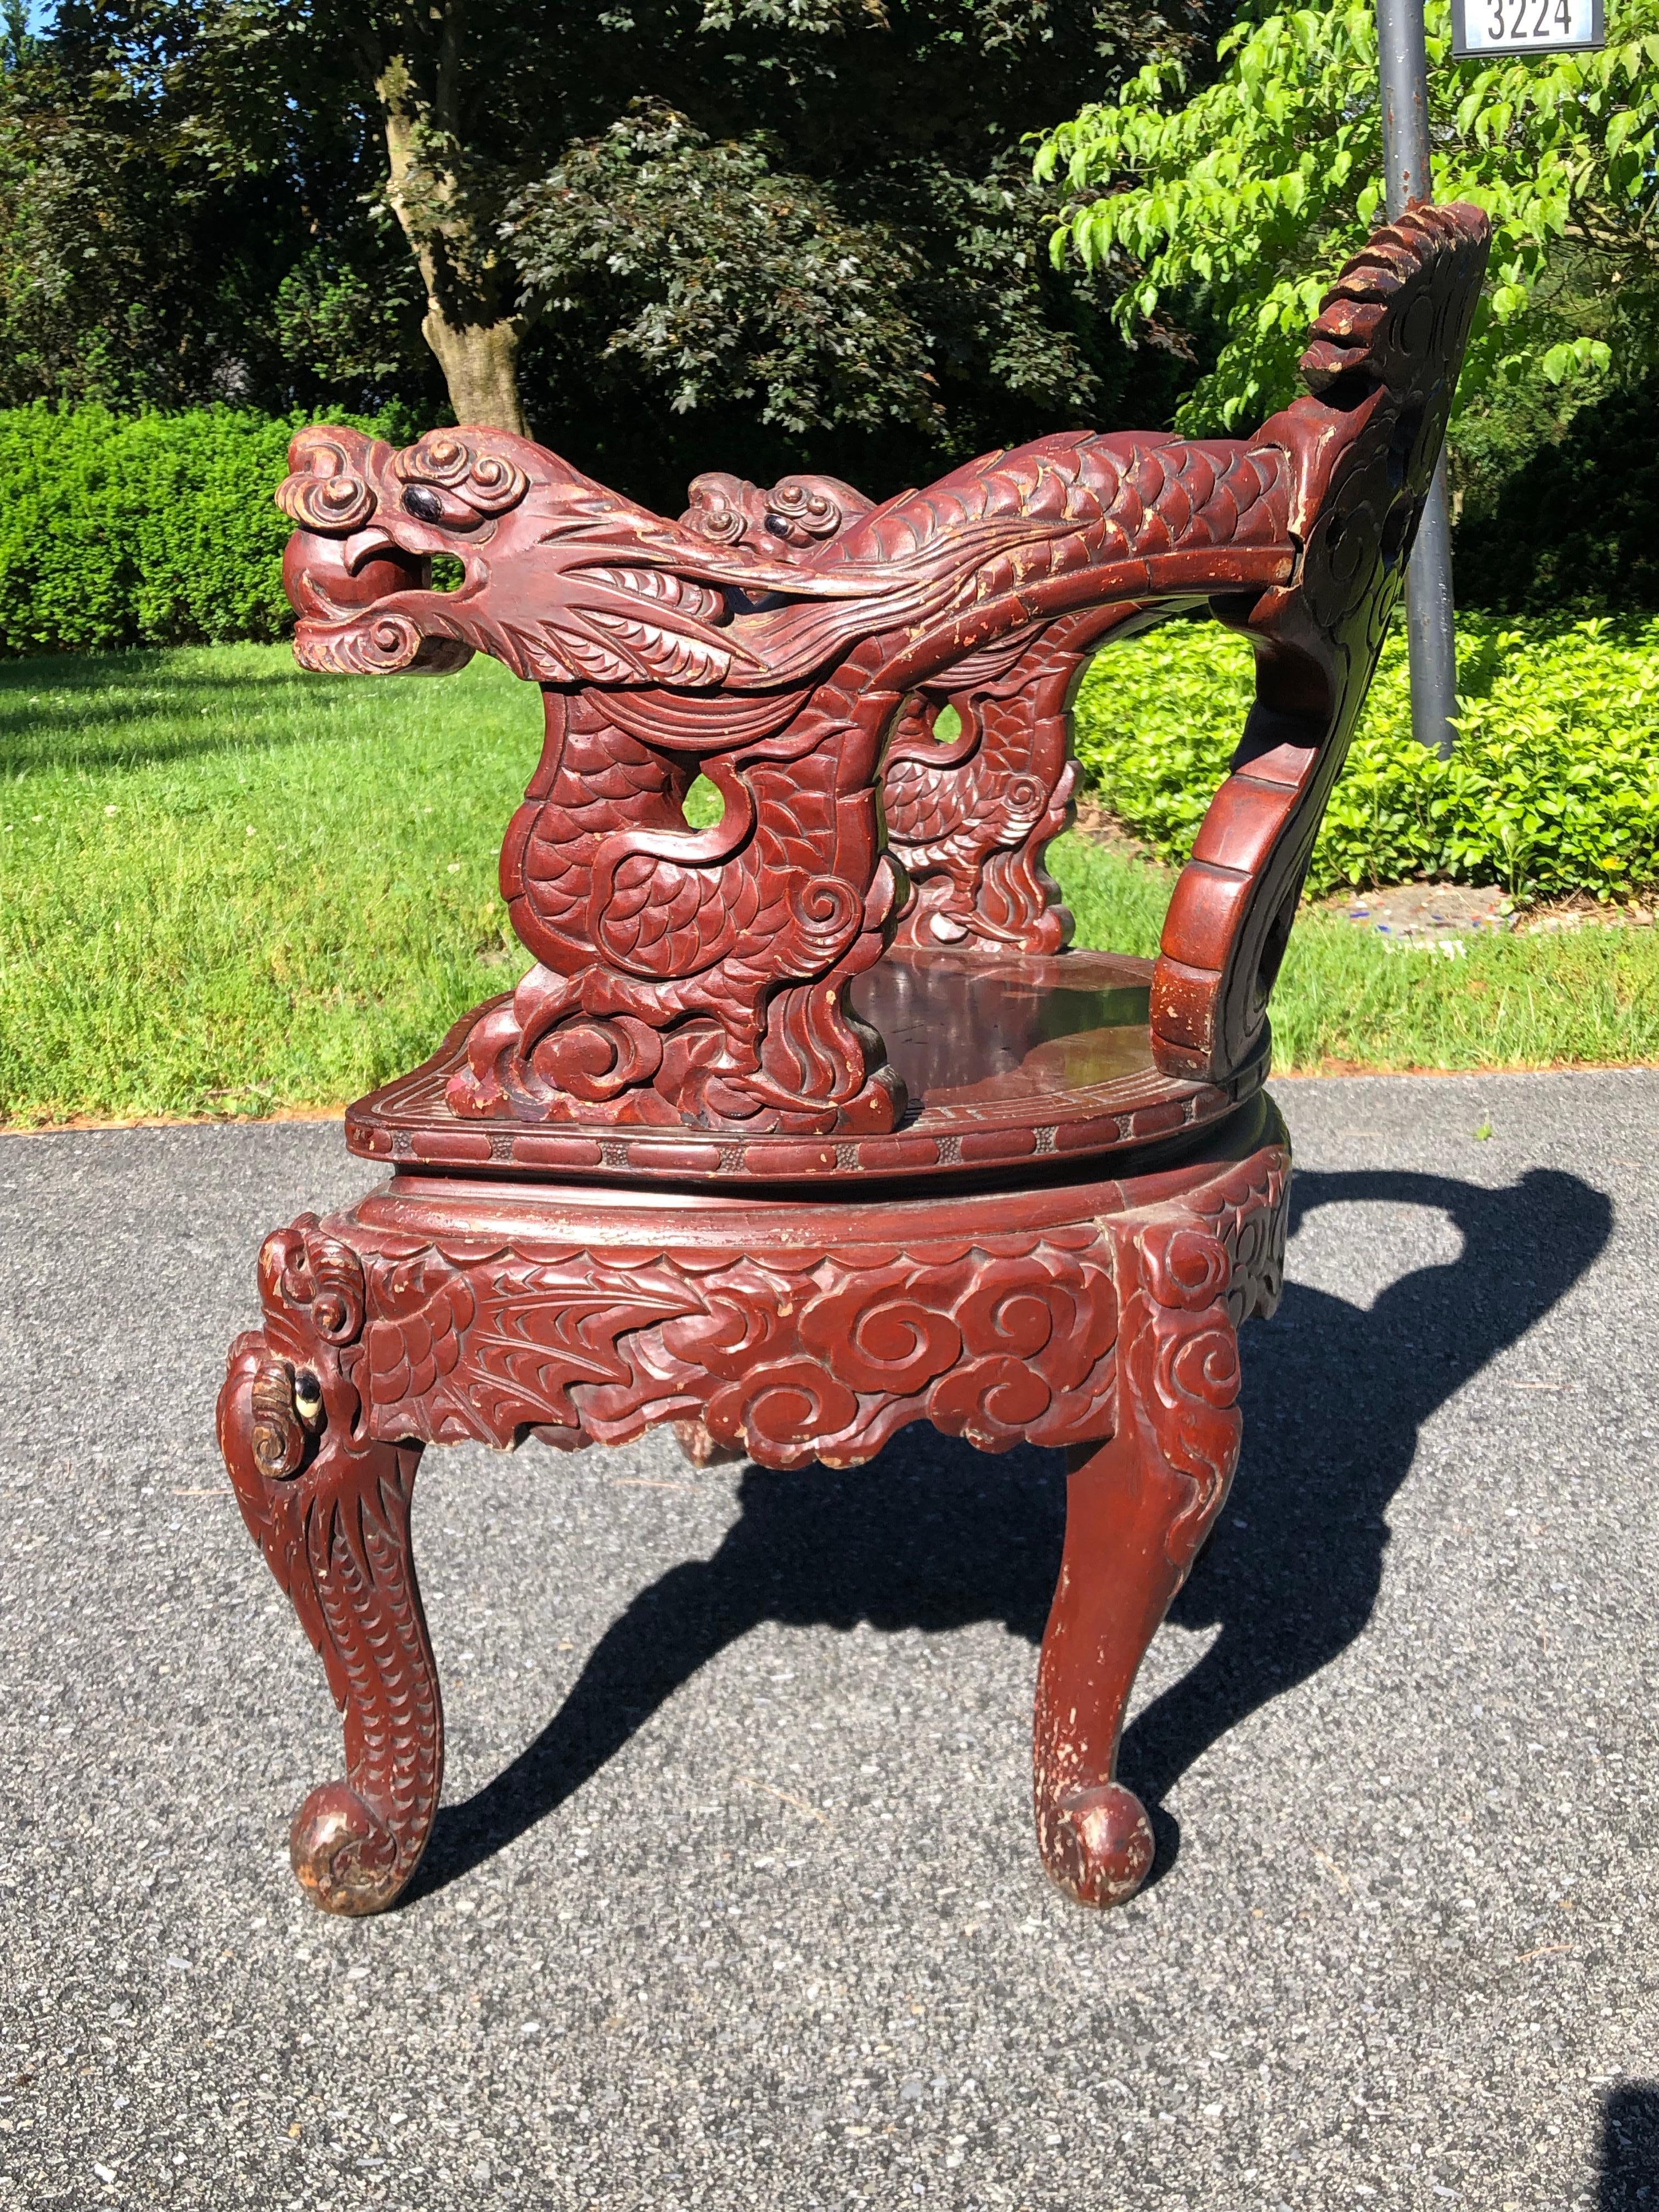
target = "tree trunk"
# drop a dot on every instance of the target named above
(480, 362)
(452, 236)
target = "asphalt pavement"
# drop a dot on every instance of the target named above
(733, 1900)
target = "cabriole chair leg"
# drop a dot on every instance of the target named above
(1137, 1509)
(329, 1507)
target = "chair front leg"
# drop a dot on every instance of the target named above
(1139, 1507)
(329, 1507)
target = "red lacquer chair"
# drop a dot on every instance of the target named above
(808, 1126)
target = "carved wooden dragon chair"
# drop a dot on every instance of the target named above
(808, 1126)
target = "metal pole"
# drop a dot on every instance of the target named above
(1405, 72)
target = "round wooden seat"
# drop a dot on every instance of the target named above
(1004, 1061)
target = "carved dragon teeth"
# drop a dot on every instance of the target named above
(1419, 248)
(663, 585)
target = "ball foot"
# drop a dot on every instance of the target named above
(343, 1854)
(1098, 1844)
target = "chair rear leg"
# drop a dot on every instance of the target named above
(1139, 1507)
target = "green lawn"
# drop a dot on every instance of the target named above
(226, 888)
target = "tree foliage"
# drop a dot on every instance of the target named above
(1574, 527)
(906, 305)
(139, 268)
(1245, 193)
(815, 219)
(717, 275)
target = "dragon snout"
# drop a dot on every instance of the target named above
(341, 558)
(328, 578)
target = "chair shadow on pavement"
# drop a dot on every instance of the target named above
(1628, 2170)
(933, 1535)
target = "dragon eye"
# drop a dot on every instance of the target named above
(424, 505)
(308, 1396)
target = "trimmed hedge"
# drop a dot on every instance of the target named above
(141, 529)
(1554, 788)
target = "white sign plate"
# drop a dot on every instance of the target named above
(1526, 26)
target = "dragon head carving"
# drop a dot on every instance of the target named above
(583, 586)
(568, 583)
(369, 519)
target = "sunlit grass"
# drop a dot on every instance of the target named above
(227, 887)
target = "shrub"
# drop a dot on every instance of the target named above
(1554, 788)
(140, 530)
(1575, 525)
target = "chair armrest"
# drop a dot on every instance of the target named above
(1381, 368)
(1230, 917)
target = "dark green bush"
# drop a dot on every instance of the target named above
(1554, 788)
(141, 529)
(1574, 528)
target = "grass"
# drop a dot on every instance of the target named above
(1344, 1001)
(227, 888)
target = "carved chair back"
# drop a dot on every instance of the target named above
(797, 646)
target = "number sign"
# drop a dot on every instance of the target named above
(1525, 26)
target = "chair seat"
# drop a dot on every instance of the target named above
(1004, 1060)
